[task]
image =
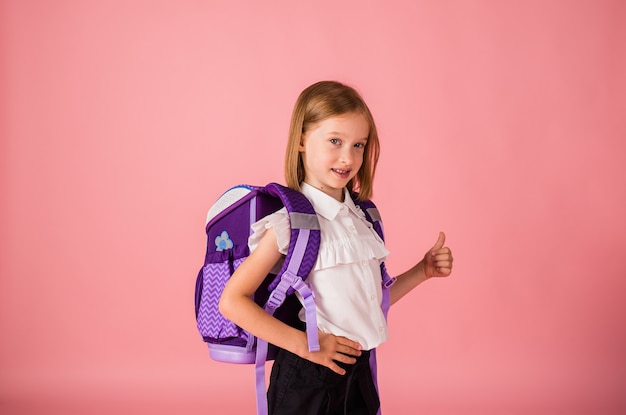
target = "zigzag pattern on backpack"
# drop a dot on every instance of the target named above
(214, 325)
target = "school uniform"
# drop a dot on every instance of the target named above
(346, 282)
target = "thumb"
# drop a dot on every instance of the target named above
(440, 241)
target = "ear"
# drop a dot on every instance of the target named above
(301, 146)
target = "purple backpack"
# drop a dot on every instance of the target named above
(228, 227)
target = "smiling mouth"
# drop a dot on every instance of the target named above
(340, 171)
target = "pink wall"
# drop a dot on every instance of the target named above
(502, 123)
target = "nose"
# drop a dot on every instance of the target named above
(347, 156)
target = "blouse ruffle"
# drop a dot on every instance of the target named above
(279, 221)
(333, 250)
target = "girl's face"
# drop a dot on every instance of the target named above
(332, 152)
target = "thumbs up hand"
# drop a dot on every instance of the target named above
(438, 260)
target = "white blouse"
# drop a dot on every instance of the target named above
(346, 278)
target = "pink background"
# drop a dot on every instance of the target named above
(502, 123)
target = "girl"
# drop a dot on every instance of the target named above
(332, 151)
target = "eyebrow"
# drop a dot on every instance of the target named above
(341, 134)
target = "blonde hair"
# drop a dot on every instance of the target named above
(316, 103)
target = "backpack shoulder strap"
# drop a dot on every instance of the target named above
(304, 243)
(305, 231)
(371, 214)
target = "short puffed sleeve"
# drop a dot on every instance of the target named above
(279, 221)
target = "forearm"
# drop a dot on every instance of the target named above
(245, 313)
(406, 281)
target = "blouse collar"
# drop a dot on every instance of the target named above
(326, 205)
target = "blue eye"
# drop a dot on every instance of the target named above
(360, 145)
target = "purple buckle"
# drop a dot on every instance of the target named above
(389, 282)
(275, 300)
(277, 297)
(303, 288)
